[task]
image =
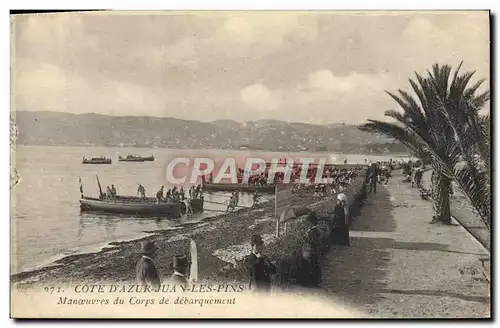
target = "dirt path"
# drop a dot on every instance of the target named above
(464, 213)
(399, 265)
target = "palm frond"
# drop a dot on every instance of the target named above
(444, 125)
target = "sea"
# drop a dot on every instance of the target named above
(46, 223)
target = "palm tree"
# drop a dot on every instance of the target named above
(442, 124)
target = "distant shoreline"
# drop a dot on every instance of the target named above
(394, 154)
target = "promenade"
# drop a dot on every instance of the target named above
(400, 266)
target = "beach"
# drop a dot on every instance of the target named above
(222, 241)
(399, 265)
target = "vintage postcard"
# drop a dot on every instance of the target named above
(239, 164)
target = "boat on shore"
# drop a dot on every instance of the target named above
(138, 206)
(96, 160)
(134, 158)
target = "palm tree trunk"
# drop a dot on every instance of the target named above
(441, 186)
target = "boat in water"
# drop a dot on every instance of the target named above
(134, 205)
(134, 158)
(96, 160)
(138, 206)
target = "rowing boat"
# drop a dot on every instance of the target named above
(138, 206)
(96, 160)
(132, 158)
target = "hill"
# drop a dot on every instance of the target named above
(64, 129)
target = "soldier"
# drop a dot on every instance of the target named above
(259, 266)
(141, 190)
(197, 192)
(175, 193)
(109, 193)
(113, 190)
(311, 274)
(232, 203)
(181, 268)
(146, 273)
(256, 197)
(373, 173)
(159, 194)
(189, 206)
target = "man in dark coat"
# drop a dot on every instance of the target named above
(146, 273)
(259, 266)
(181, 268)
(340, 232)
(373, 172)
(311, 269)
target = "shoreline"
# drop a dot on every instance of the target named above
(221, 239)
(113, 245)
(391, 154)
(105, 247)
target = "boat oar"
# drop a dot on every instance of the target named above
(99, 184)
(81, 186)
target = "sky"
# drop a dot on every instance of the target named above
(313, 67)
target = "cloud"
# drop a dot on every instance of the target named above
(318, 67)
(270, 28)
(48, 87)
(324, 81)
(262, 32)
(63, 33)
(321, 97)
(446, 41)
(160, 57)
(260, 97)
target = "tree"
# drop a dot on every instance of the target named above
(442, 124)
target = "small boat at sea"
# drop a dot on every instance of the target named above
(135, 158)
(238, 186)
(96, 160)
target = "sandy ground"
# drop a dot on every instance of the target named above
(400, 266)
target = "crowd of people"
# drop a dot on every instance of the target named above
(413, 172)
(314, 239)
(175, 194)
(262, 179)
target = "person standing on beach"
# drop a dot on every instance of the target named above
(259, 266)
(141, 190)
(159, 194)
(113, 191)
(340, 231)
(189, 206)
(256, 198)
(181, 268)
(311, 269)
(373, 177)
(146, 273)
